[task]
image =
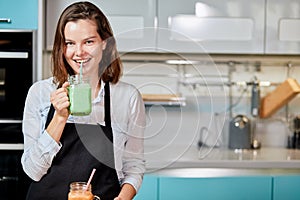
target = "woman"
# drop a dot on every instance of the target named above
(54, 155)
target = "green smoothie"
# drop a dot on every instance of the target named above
(80, 99)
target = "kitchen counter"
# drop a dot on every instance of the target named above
(269, 173)
(162, 158)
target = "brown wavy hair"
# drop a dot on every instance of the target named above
(110, 67)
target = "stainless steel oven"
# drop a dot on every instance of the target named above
(17, 73)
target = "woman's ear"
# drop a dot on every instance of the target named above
(103, 44)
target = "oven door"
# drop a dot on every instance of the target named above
(16, 72)
(15, 80)
(14, 182)
(8, 174)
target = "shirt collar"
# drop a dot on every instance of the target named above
(100, 93)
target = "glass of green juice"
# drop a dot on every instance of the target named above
(80, 97)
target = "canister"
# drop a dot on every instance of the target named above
(240, 133)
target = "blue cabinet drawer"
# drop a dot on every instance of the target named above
(149, 188)
(225, 188)
(286, 187)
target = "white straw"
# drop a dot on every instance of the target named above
(80, 72)
(90, 179)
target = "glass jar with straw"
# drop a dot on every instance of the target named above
(82, 190)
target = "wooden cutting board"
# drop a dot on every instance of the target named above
(161, 97)
(279, 97)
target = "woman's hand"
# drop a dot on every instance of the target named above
(60, 101)
(127, 192)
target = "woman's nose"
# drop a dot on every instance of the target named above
(79, 50)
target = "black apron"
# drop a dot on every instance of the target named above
(84, 147)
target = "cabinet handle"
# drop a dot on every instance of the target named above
(8, 178)
(12, 121)
(5, 20)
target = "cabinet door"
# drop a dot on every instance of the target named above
(225, 188)
(132, 22)
(283, 27)
(213, 26)
(149, 189)
(286, 188)
(19, 14)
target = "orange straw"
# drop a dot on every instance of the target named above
(90, 179)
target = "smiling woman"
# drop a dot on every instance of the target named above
(57, 150)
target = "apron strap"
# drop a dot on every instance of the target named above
(50, 115)
(107, 105)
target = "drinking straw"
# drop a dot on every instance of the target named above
(90, 179)
(80, 72)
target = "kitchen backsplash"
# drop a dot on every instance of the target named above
(213, 90)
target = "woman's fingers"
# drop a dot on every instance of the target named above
(60, 99)
(65, 85)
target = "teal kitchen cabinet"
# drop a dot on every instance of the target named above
(149, 188)
(19, 14)
(286, 187)
(225, 188)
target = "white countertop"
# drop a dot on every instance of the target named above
(159, 158)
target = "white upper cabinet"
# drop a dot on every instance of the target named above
(213, 26)
(132, 21)
(283, 27)
(196, 26)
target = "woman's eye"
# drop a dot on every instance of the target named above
(89, 42)
(69, 43)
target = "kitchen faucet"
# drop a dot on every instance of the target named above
(255, 98)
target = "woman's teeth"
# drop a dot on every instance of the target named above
(81, 61)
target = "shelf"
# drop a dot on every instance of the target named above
(163, 99)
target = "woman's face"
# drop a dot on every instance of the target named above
(83, 44)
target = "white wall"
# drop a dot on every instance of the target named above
(207, 106)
